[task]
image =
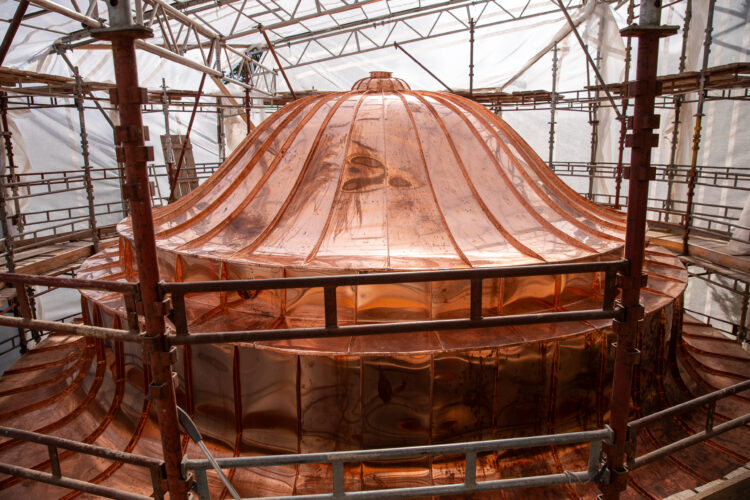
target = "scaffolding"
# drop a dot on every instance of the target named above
(51, 242)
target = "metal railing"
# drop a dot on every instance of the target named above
(336, 460)
(709, 431)
(596, 472)
(332, 328)
(56, 477)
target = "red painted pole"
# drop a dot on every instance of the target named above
(130, 134)
(644, 89)
(12, 28)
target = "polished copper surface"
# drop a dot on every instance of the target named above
(378, 178)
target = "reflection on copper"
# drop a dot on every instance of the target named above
(379, 178)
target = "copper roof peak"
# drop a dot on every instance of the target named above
(381, 81)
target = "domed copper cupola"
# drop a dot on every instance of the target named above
(380, 80)
(385, 178)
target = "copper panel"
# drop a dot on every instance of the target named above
(522, 390)
(395, 395)
(463, 396)
(331, 403)
(269, 401)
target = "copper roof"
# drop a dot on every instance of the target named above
(383, 177)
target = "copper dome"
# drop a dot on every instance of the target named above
(380, 178)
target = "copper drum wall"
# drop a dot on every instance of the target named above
(384, 178)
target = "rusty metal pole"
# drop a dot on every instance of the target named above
(625, 103)
(247, 103)
(471, 57)
(79, 100)
(644, 89)
(12, 28)
(693, 172)
(129, 98)
(553, 109)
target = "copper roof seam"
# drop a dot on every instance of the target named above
(337, 193)
(242, 175)
(55, 347)
(261, 182)
(259, 240)
(85, 362)
(552, 183)
(672, 458)
(564, 189)
(225, 166)
(100, 366)
(114, 406)
(386, 190)
(523, 249)
(42, 366)
(544, 197)
(459, 252)
(543, 171)
(36, 385)
(134, 438)
(525, 203)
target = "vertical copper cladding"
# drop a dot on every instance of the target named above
(129, 97)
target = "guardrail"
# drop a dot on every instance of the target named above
(470, 450)
(710, 430)
(154, 465)
(177, 291)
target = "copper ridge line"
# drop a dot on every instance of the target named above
(241, 176)
(552, 184)
(386, 190)
(429, 181)
(100, 367)
(504, 232)
(339, 182)
(525, 203)
(43, 366)
(563, 190)
(544, 197)
(226, 166)
(135, 437)
(271, 169)
(55, 347)
(85, 361)
(303, 171)
(113, 408)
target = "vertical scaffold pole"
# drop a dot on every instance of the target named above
(642, 139)
(692, 174)
(625, 103)
(471, 57)
(129, 97)
(79, 100)
(553, 108)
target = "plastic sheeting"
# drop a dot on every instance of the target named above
(500, 52)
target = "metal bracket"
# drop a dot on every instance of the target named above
(636, 30)
(158, 392)
(646, 122)
(642, 140)
(618, 479)
(634, 356)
